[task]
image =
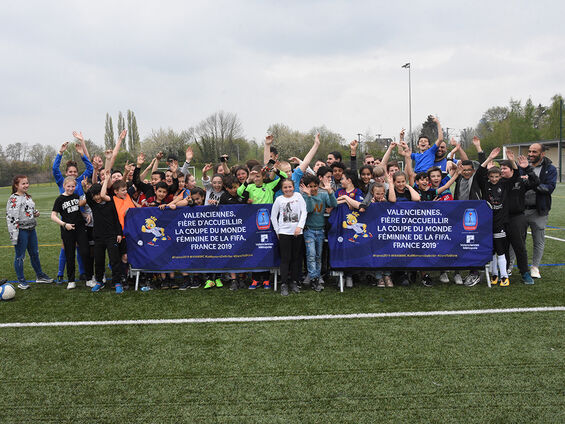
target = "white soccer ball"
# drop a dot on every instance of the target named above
(7, 291)
(139, 243)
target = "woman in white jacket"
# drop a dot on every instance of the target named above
(21, 218)
(289, 216)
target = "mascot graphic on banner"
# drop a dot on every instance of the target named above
(360, 229)
(151, 228)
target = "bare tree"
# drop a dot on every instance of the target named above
(217, 135)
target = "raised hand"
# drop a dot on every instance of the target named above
(495, 152)
(353, 145)
(108, 154)
(523, 161)
(294, 160)
(159, 156)
(174, 167)
(207, 167)
(128, 167)
(97, 162)
(78, 136)
(140, 159)
(189, 154)
(123, 134)
(317, 138)
(63, 147)
(510, 155)
(269, 139)
(453, 142)
(477, 142)
(402, 134)
(79, 149)
(305, 189)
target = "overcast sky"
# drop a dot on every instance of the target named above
(64, 64)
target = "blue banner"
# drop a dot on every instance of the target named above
(441, 235)
(225, 237)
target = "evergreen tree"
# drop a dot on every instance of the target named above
(136, 145)
(122, 126)
(109, 140)
(429, 130)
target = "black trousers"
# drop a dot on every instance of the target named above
(71, 239)
(111, 245)
(514, 231)
(291, 256)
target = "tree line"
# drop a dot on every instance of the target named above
(222, 133)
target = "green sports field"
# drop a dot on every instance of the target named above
(470, 368)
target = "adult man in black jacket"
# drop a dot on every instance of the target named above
(538, 202)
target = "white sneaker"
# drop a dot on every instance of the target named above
(443, 277)
(349, 282)
(534, 272)
(90, 283)
(457, 279)
(71, 285)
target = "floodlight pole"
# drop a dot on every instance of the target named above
(560, 139)
(359, 141)
(407, 66)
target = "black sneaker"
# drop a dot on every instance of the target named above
(165, 285)
(59, 279)
(195, 284)
(173, 284)
(234, 285)
(427, 281)
(284, 289)
(185, 284)
(294, 287)
(316, 286)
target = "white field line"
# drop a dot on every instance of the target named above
(550, 237)
(281, 318)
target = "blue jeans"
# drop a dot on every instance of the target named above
(314, 240)
(27, 240)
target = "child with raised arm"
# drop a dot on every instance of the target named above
(495, 192)
(259, 192)
(316, 204)
(425, 159)
(213, 187)
(107, 235)
(71, 170)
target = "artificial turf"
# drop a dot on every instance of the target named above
(484, 368)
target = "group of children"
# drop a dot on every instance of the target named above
(92, 206)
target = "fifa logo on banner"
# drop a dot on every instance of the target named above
(263, 219)
(470, 220)
(264, 238)
(470, 238)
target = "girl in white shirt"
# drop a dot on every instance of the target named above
(289, 217)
